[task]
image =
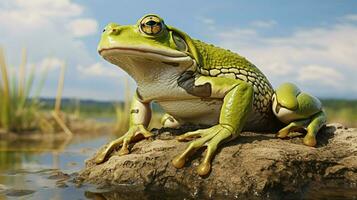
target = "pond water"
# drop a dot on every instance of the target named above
(32, 169)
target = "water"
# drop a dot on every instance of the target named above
(31, 169)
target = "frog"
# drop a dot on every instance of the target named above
(200, 84)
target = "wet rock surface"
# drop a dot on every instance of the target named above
(253, 166)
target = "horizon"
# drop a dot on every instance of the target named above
(312, 44)
(122, 100)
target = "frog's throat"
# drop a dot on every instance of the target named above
(146, 64)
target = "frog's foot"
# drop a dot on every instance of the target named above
(318, 120)
(210, 138)
(134, 134)
(168, 121)
(292, 126)
(312, 125)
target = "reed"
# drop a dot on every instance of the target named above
(18, 112)
(56, 113)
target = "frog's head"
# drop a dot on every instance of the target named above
(148, 47)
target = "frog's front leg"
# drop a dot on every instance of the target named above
(140, 115)
(237, 103)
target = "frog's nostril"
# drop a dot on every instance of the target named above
(114, 31)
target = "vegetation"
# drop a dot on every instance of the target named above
(341, 111)
(18, 113)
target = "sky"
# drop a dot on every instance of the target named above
(310, 43)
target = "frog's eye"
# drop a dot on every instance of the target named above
(180, 43)
(151, 25)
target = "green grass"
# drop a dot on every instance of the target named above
(341, 111)
(18, 113)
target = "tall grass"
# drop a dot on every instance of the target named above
(18, 113)
(57, 114)
(122, 111)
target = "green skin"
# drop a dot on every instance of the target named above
(198, 83)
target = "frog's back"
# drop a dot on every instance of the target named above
(219, 62)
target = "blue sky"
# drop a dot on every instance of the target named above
(310, 43)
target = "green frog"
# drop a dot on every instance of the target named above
(201, 84)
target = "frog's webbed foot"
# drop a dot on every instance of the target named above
(292, 126)
(134, 134)
(312, 125)
(210, 138)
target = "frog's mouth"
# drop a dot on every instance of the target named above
(171, 57)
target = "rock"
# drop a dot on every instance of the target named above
(58, 175)
(18, 192)
(253, 166)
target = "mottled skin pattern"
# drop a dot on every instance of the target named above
(198, 83)
(218, 62)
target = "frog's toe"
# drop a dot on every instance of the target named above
(313, 128)
(205, 167)
(134, 134)
(211, 138)
(103, 154)
(283, 133)
(310, 140)
(124, 148)
(179, 161)
(295, 125)
(190, 135)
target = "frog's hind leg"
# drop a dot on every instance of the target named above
(298, 110)
(168, 121)
(295, 125)
(312, 125)
(317, 121)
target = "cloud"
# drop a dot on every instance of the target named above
(99, 69)
(24, 14)
(45, 28)
(351, 17)
(318, 59)
(50, 63)
(209, 22)
(82, 27)
(51, 26)
(320, 74)
(263, 24)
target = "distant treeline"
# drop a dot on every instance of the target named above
(87, 108)
(338, 110)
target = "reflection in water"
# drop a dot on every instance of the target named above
(32, 169)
